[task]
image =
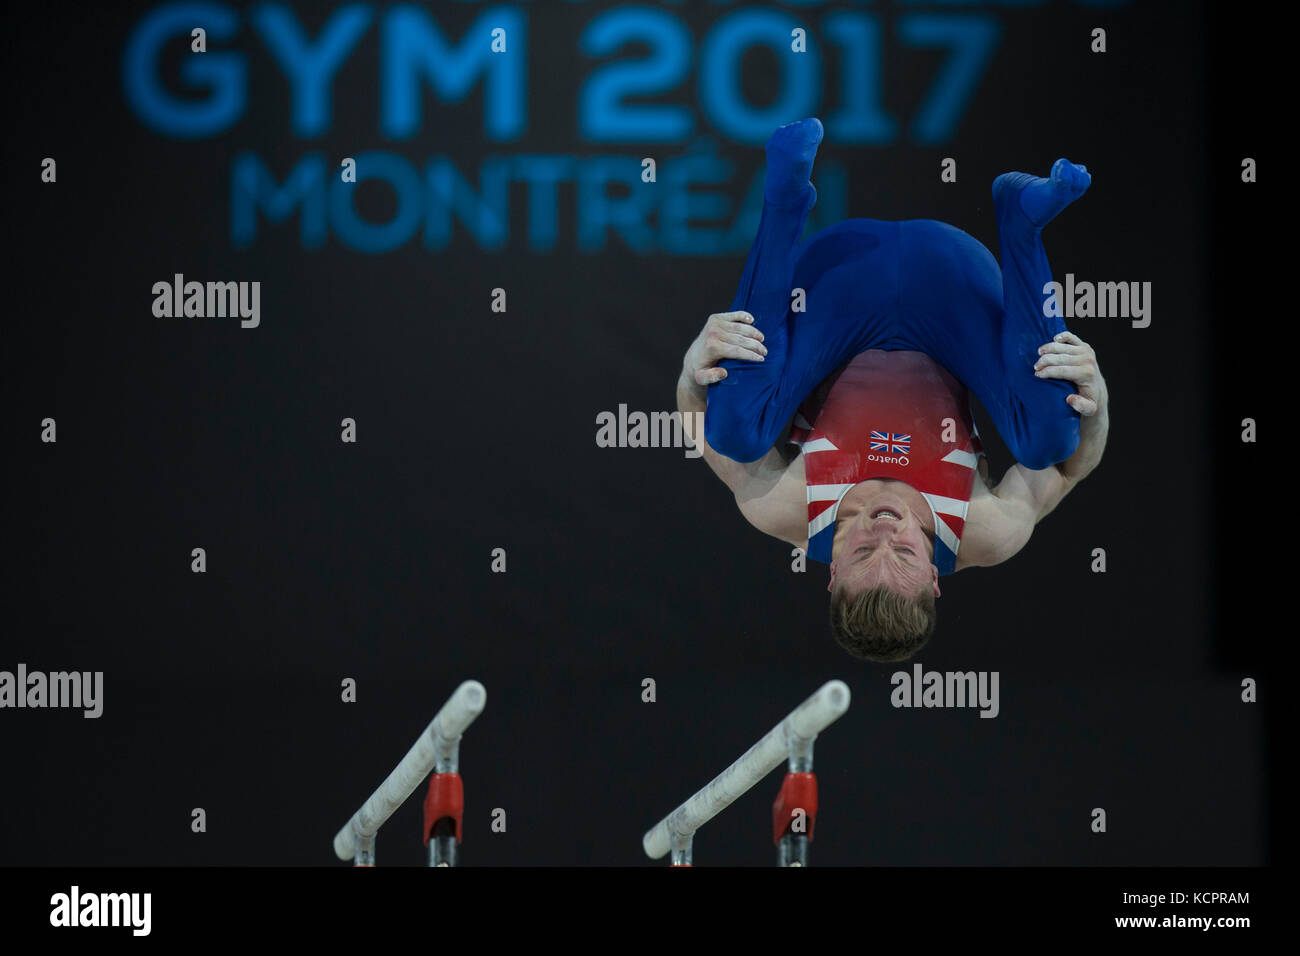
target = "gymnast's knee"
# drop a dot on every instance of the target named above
(733, 432)
(1049, 446)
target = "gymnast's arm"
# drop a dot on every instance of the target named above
(1002, 519)
(769, 496)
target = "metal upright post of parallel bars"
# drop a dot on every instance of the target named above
(795, 810)
(437, 750)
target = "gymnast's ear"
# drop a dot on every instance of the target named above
(934, 575)
(830, 585)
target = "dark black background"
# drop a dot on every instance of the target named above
(371, 561)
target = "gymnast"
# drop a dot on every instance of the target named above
(836, 394)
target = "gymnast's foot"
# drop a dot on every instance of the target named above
(1041, 200)
(790, 153)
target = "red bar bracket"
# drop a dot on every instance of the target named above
(798, 792)
(445, 799)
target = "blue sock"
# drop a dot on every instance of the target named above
(790, 154)
(1041, 200)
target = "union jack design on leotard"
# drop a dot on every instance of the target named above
(887, 441)
(931, 443)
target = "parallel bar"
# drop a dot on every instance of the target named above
(439, 741)
(802, 724)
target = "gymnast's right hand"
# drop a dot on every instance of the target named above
(726, 335)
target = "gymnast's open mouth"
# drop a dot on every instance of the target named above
(886, 513)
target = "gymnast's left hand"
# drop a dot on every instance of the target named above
(726, 335)
(1069, 357)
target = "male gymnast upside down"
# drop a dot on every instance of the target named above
(845, 429)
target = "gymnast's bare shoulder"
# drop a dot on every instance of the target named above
(1000, 518)
(770, 491)
(990, 535)
(773, 497)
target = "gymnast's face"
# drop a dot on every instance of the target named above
(881, 543)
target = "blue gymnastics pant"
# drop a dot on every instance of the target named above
(917, 285)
